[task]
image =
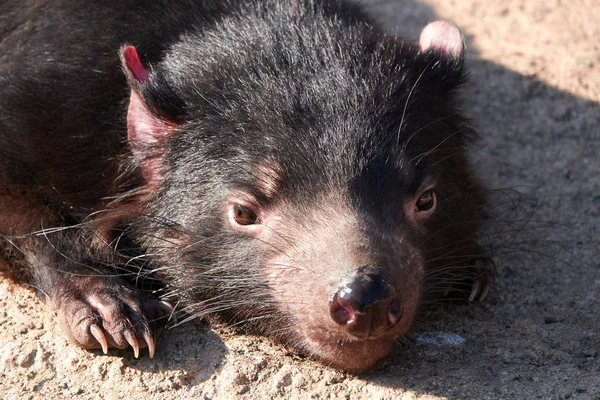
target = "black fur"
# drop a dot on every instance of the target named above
(311, 87)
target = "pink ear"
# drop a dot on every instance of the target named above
(147, 134)
(443, 37)
(146, 131)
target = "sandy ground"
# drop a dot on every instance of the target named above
(534, 93)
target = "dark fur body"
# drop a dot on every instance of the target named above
(323, 123)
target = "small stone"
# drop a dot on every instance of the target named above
(243, 389)
(299, 381)
(26, 358)
(334, 378)
(73, 359)
(284, 381)
(241, 379)
(440, 339)
(172, 383)
(100, 371)
(76, 390)
(22, 329)
(35, 325)
(589, 353)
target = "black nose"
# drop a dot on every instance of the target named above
(366, 304)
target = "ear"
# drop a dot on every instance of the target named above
(147, 130)
(443, 38)
(442, 49)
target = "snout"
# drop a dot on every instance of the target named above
(366, 304)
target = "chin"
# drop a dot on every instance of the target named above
(346, 353)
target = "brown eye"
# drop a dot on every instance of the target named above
(244, 215)
(426, 201)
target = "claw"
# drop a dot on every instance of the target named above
(167, 309)
(133, 342)
(484, 284)
(474, 290)
(151, 345)
(486, 290)
(97, 333)
(166, 306)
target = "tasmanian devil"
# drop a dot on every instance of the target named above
(284, 165)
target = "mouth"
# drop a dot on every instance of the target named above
(351, 355)
(330, 343)
(346, 352)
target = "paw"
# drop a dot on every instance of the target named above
(471, 280)
(97, 312)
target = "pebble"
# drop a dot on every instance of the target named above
(440, 339)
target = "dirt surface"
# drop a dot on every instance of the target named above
(534, 94)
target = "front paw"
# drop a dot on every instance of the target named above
(101, 312)
(468, 280)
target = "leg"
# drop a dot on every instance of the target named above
(96, 306)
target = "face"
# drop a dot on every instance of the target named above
(317, 261)
(309, 204)
(327, 253)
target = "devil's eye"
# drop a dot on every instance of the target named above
(244, 215)
(426, 201)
